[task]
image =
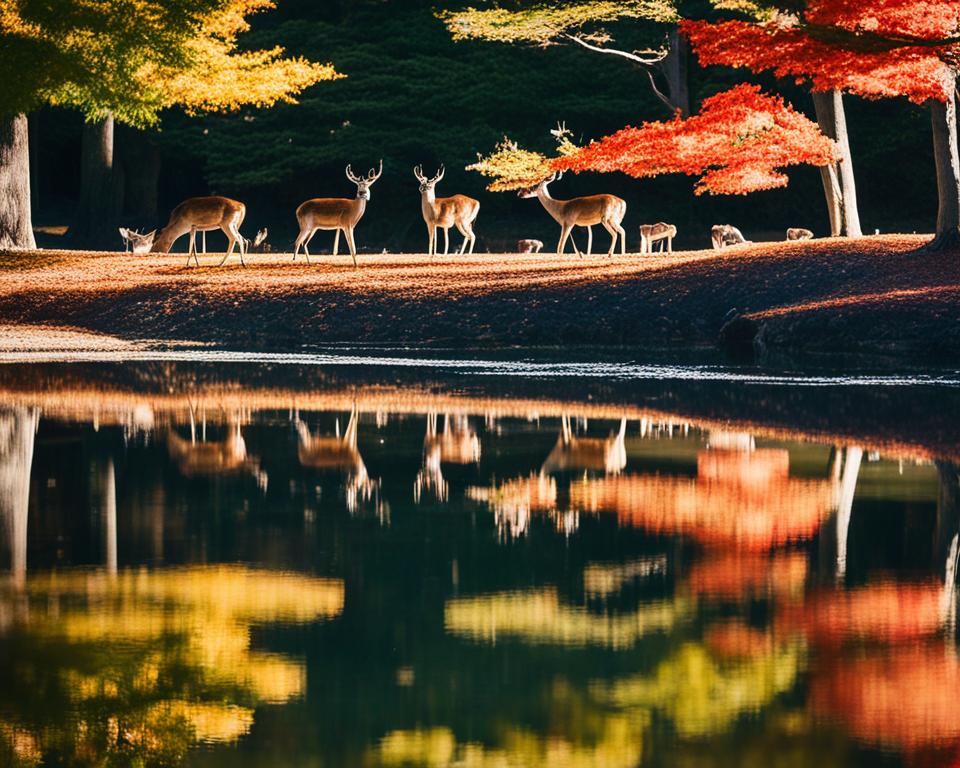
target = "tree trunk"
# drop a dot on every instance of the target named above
(33, 123)
(948, 170)
(674, 69)
(98, 210)
(141, 170)
(834, 197)
(833, 122)
(16, 229)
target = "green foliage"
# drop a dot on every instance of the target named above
(90, 55)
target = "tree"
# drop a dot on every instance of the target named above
(547, 24)
(218, 77)
(737, 144)
(874, 48)
(113, 57)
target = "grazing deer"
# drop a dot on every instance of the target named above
(608, 210)
(724, 235)
(799, 233)
(203, 214)
(587, 453)
(336, 213)
(215, 458)
(529, 246)
(259, 243)
(659, 232)
(445, 212)
(134, 242)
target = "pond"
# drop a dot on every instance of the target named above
(340, 561)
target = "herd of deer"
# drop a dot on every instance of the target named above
(207, 214)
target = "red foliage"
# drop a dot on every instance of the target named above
(737, 144)
(874, 48)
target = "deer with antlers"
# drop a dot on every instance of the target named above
(607, 210)
(337, 213)
(203, 214)
(445, 212)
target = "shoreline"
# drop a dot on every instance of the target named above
(875, 296)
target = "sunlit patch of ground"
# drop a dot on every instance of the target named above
(902, 296)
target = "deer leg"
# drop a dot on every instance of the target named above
(466, 238)
(300, 241)
(231, 241)
(431, 239)
(235, 228)
(192, 250)
(446, 240)
(336, 241)
(565, 231)
(589, 240)
(669, 245)
(613, 233)
(353, 246)
(203, 236)
(623, 237)
(306, 249)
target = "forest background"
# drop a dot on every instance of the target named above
(414, 96)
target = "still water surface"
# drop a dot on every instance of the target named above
(256, 566)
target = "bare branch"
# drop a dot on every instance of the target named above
(657, 56)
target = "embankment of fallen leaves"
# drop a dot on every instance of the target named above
(875, 294)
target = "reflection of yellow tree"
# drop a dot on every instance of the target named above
(702, 696)
(538, 617)
(149, 628)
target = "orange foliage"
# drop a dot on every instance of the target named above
(737, 144)
(874, 48)
(906, 700)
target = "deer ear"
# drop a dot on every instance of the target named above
(150, 234)
(124, 233)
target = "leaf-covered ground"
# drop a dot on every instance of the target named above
(875, 294)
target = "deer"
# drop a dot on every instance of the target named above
(799, 233)
(336, 213)
(134, 242)
(587, 453)
(214, 458)
(204, 214)
(724, 235)
(259, 243)
(607, 210)
(659, 232)
(457, 444)
(444, 212)
(529, 246)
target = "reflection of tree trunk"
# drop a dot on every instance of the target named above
(848, 487)
(17, 429)
(98, 209)
(674, 69)
(108, 510)
(141, 166)
(944, 116)
(16, 226)
(947, 542)
(833, 122)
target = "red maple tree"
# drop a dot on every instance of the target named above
(872, 48)
(737, 144)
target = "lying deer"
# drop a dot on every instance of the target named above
(608, 210)
(798, 233)
(724, 235)
(445, 212)
(204, 214)
(259, 243)
(653, 233)
(336, 213)
(529, 246)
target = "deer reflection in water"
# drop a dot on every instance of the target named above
(212, 458)
(340, 453)
(457, 444)
(574, 452)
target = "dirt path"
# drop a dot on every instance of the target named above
(873, 294)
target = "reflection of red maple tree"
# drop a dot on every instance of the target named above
(737, 144)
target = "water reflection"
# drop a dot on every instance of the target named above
(555, 583)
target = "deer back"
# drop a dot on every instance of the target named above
(331, 211)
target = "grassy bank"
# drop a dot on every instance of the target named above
(870, 295)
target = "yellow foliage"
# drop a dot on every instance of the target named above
(512, 168)
(542, 24)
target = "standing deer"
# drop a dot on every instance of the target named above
(444, 212)
(204, 214)
(336, 213)
(659, 232)
(608, 210)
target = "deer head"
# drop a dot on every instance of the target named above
(535, 190)
(364, 183)
(428, 185)
(138, 243)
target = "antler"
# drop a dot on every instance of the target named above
(374, 175)
(418, 172)
(351, 176)
(436, 179)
